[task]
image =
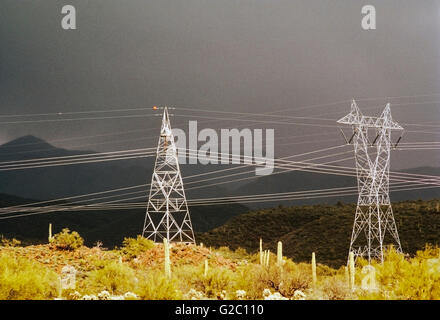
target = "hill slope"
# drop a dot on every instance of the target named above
(323, 229)
(302, 181)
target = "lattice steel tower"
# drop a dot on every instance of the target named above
(374, 214)
(167, 211)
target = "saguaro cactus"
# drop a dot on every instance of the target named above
(280, 254)
(50, 232)
(205, 273)
(352, 269)
(266, 258)
(167, 258)
(347, 276)
(313, 268)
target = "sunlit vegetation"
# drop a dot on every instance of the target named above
(22, 278)
(66, 240)
(136, 271)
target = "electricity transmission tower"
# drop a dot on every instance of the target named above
(374, 214)
(167, 210)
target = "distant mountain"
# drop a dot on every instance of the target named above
(31, 147)
(64, 181)
(61, 181)
(108, 226)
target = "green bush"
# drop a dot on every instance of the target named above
(294, 277)
(331, 288)
(134, 247)
(323, 270)
(66, 240)
(248, 278)
(401, 278)
(217, 280)
(9, 242)
(155, 286)
(189, 276)
(429, 252)
(239, 253)
(116, 278)
(24, 279)
(286, 280)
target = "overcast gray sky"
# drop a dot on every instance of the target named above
(243, 56)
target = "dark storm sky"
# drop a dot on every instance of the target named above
(229, 55)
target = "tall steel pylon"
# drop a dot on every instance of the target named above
(167, 210)
(374, 214)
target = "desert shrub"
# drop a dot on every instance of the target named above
(156, 286)
(133, 247)
(66, 240)
(70, 294)
(189, 276)
(9, 242)
(248, 278)
(24, 279)
(288, 279)
(217, 280)
(225, 251)
(429, 252)
(115, 277)
(331, 288)
(239, 253)
(254, 258)
(291, 277)
(294, 277)
(323, 270)
(407, 279)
